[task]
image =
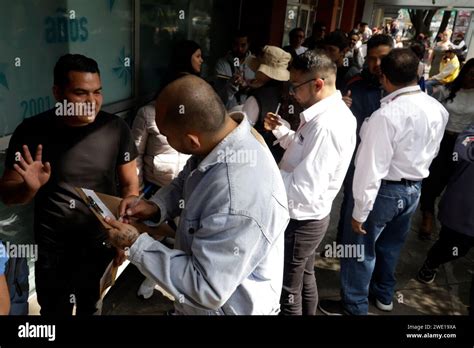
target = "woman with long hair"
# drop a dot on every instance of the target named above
(457, 100)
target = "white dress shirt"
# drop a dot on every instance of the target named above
(398, 141)
(317, 157)
(301, 50)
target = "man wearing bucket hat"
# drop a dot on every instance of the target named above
(268, 90)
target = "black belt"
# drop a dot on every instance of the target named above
(403, 182)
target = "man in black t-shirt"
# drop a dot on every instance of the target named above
(74, 144)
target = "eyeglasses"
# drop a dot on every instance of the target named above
(292, 88)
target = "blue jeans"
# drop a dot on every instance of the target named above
(429, 84)
(387, 228)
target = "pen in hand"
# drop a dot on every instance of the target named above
(139, 198)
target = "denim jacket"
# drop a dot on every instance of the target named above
(228, 256)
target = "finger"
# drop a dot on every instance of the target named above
(22, 163)
(125, 203)
(19, 170)
(135, 209)
(114, 223)
(47, 168)
(27, 153)
(349, 93)
(39, 153)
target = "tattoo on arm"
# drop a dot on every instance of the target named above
(127, 237)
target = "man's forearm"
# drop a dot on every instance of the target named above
(130, 190)
(13, 192)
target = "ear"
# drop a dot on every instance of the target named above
(319, 83)
(193, 141)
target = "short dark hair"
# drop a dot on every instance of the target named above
(315, 62)
(294, 31)
(400, 66)
(419, 49)
(318, 26)
(379, 40)
(337, 38)
(73, 62)
(240, 33)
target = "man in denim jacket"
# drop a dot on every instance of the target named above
(228, 256)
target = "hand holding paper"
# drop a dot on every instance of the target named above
(121, 235)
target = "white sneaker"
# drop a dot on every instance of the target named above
(146, 289)
(384, 307)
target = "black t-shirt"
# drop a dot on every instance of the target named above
(87, 157)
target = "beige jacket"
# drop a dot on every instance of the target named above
(157, 161)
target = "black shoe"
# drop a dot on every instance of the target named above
(426, 275)
(332, 307)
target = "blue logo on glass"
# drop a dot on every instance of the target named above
(65, 27)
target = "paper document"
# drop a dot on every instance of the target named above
(96, 202)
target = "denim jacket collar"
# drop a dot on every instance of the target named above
(235, 137)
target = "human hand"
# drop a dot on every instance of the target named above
(121, 235)
(348, 98)
(357, 227)
(34, 173)
(271, 121)
(141, 209)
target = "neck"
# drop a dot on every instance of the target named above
(393, 88)
(325, 93)
(229, 126)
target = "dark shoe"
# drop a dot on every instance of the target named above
(332, 307)
(426, 275)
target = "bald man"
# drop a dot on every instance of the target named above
(228, 256)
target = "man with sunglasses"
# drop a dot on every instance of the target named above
(313, 168)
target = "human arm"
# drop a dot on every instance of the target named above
(447, 70)
(225, 250)
(320, 157)
(280, 129)
(140, 136)
(251, 109)
(372, 164)
(20, 184)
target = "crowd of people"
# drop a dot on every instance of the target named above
(244, 168)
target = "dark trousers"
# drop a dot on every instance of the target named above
(441, 170)
(443, 250)
(67, 277)
(300, 293)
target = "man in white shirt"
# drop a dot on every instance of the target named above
(398, 143)
(313, 167)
